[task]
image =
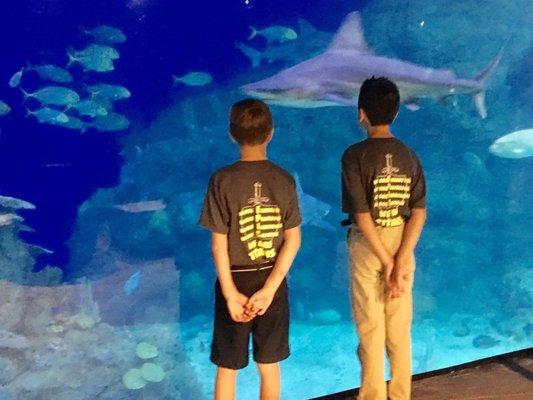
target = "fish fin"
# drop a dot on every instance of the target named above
(253, 33)
(176, 80)
(482, 78)
(26, 94)
(254, 55)
(412, 105)
(71, 58)
(350, 35)
(305, 27)
(323, 224)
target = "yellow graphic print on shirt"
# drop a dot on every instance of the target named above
(259, 224)
(391, 191)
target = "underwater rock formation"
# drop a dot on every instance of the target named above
(55, 345)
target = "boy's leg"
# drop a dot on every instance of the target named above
(270, 381)
(398, 314)
(225, 384)
(367, 295)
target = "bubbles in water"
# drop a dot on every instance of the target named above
(248, 4)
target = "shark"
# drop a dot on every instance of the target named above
(310, 43)
(334, 77)
(313, 210)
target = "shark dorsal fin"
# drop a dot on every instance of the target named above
(350, 35)
(305, 27)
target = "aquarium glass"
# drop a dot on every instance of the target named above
(114, 115)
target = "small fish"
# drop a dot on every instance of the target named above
(10, 218)
(95, 57)
(485, 342)
(142, 206)
(313, 210)
(14, 203)
(132, 283)
(48, 115)
(51, 73)
(194, 78)
(90, 108)
(111, 92)
(111, 122)
(106, 34)
(36, 250)
(274, 34)
(99, 51)
(92, 63)
(16, 78)
(54, 95)
(4, 108)
(74, 123)
(517, 144)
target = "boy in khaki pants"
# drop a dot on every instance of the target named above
(383, 192)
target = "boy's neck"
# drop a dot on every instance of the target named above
(379, 132)
(253, 153)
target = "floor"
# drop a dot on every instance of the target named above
(509, 376)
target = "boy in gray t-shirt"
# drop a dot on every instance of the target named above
(383, 192)
(251, 208)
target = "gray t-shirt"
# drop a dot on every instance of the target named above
(252, 202)
(383, 177)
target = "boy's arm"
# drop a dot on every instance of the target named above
(411, 234)
(234, 299)
(287, 253)
(365, 223)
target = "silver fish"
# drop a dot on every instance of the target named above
(106, 34)
(111, 122)
(51, 73)
(111, 92)
(4, 108)
(54, 95)
(48, 115)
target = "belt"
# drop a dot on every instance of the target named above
(251, 268)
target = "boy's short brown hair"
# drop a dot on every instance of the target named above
(250, 122)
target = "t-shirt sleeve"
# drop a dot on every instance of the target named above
(215, 214)
(418, 190)
(353, 193)
(291, 216)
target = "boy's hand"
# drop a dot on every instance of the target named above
(399, 276)
(259, 302)
(236, 307)
(389, 267)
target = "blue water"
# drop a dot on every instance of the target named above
(150, 273)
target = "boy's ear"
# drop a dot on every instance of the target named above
(362, 115)
(270, 135)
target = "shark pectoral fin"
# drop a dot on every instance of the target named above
(412, 106)
(323, 224)
(335, 98)
(350, 35)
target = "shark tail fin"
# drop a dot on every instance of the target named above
(254, 55)
(253, 33)
(482, 79)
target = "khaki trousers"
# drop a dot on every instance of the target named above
(381, 323)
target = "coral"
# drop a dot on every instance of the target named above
(133, 379)
(146, 351)
(152, 372)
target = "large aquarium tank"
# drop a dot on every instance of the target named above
(114, 114)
